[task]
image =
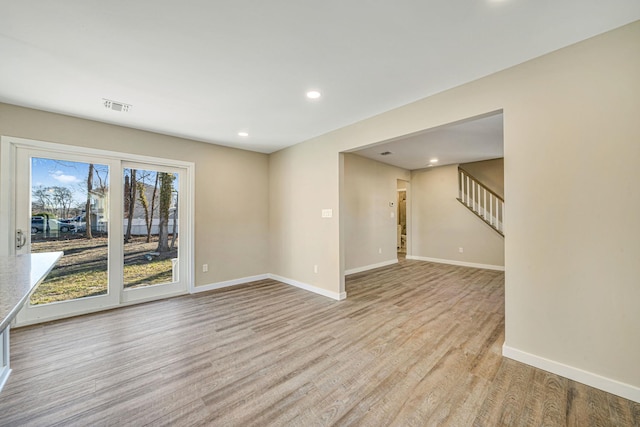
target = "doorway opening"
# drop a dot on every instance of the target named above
(432, 226)
(402, 218)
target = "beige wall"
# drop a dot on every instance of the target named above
(441, 224)
(369, 186)
(489, 172)
(300, 188)
(231, 186)
(571, 127)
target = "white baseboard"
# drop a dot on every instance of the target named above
(243, 280)
(228, 283)
(370, 267)
(618, 388)
(460, 263)
(334, 295)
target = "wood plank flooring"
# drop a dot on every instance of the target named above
(415, 344)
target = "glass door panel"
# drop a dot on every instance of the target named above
(151, 230)
(69, 213)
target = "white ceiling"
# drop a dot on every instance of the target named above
(207, 69)
(469, 141)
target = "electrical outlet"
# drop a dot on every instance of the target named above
(461, 250)
(315, 268)
(379, 250)
(205, 268)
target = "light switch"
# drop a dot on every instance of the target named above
(327, 213)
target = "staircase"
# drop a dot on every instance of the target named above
(484, 203)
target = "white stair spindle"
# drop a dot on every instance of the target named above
(473, 193)
(467, 190)
(491, 208)
(484, 205)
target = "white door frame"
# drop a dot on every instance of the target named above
(8, 164)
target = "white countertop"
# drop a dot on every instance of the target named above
(19, 277)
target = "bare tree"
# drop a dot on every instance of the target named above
(142, 196)
(149, 208)
(141, 184)
(174, 235)
(154, 195)
(42, 198)
(102, 174)
(99, 191)
(130, 201)
(62, 198)
(166, 189)
(87, 212)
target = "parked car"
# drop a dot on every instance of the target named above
(98, 223)
(63, 227)
(38, 224)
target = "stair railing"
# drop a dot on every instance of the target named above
(480, 200)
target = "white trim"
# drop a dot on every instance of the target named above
(228, 283)
(243, 280)
(460, 263)
(7, 196)
(370, 267)
(5, 363)
(94, 152)
(333, 295)
(609, 385)
(93, 310)
(189, 251)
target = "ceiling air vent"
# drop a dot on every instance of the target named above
(386, 153)
(116, 106)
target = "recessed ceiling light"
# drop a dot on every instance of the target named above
(313, 94)
(434, 160)
(243, 134)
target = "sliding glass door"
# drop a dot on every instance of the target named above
(124, 227)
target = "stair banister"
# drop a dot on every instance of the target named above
(473, 195)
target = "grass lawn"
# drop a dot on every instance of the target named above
(82, 271)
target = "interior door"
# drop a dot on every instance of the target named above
(63, 203)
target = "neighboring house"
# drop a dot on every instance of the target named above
(139, 221)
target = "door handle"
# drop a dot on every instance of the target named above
(21, 239)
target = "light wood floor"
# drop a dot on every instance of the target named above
(415, 344)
